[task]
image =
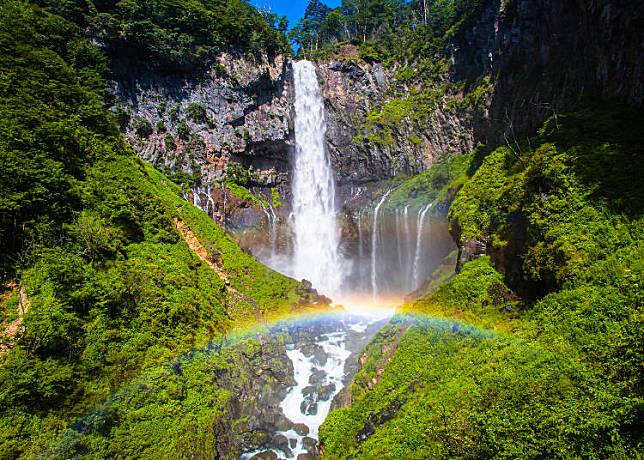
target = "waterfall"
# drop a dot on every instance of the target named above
(419, 245)
(360, 246)
(317, 238)
(408, 267)
(274, 220)
(271, 222)
(374, 247)
(399, 240)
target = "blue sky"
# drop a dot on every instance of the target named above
(293, 9)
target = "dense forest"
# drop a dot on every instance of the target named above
(390, 29)
(118, 294)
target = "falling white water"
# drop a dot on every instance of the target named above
(374, 247)
(271, 221)
(419, 244)
(408, 267)
(360, 249)
(317, 238)
(334, 346)
(399, 238)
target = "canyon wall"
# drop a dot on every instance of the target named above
(528, 59)
(547, 56)
(352, 90)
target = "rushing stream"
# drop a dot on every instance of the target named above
(324, 355)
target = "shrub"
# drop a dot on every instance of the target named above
(183, 130)
(169, 142)
(196, 112)
(142, 126)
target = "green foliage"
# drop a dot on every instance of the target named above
(196, 112)
(453, 392)
(551, 197)
(173, 36)
(183, 130)
(53, 125)
(563, 378)
(236, 173)
(173, 113)
(142, 126)
(276, 199)
(88, 230)
(384, 30)
(436, 184)
(169, 142)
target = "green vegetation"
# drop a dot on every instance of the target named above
(437, 184)
(556, 372)
(570, 196)
(175, 36)
(384, 30)
(88, 230)
(142, 127)
(187, 405)
(276, 199)
(455, 392)
(197, 112)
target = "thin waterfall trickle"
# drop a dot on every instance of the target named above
(409, 255)
(272, 222)
(360, 244)
(374, 247)
(419, 244)
(317, 236)
(399, 239)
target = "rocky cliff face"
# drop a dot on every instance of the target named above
(353, 89)
(538, 57)
(547, 56)
(239, 113)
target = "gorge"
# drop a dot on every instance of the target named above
(392, 229)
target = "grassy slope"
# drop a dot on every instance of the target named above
(558, 375)
(87, 231)
(94, 324)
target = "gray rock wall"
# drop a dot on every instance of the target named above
(247, 119)
(541, 56)
(353, 89)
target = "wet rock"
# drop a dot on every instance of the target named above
(292, 443)
(312, 349)
(266, 455)
(325, 392)
(247, 120)
(304, 457)
(301, 429)
(317, 376)
(309, 443)
(281, 442)
(310, 405)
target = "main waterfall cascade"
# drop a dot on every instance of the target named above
(317, 235)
